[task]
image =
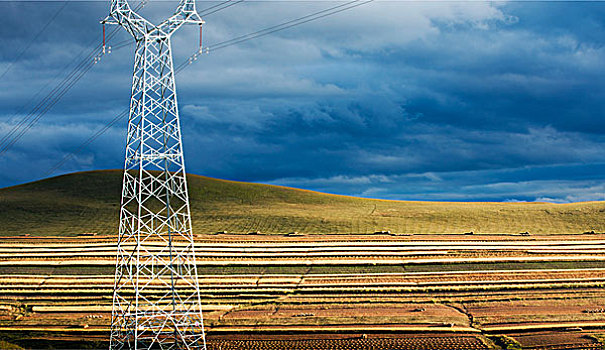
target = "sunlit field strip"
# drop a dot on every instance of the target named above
(310, 262)
(320, 246)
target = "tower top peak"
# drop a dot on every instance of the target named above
(140, 28)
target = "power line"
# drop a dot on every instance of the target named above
(90, 140)
(53, 97)
(295, 22)
(42, 108)
(207, 12)
(33, 98)
(263, 32)
(46, 103)
(51, 20)
(276, 28)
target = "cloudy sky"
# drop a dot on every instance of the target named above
(420, 100)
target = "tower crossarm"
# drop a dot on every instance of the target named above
(185, 13)
(140, 28)
(121, 13)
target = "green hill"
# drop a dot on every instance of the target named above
(89, 202)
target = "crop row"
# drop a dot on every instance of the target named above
(277, 246)
(411, 343)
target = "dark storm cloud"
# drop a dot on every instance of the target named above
(437, 101)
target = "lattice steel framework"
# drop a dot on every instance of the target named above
(156, 300)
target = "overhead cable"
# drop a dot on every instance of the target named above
(263, 32)
(34, 39)
(53, 97)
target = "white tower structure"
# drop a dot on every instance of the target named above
(156, 298)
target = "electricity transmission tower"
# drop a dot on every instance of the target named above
(156, 298)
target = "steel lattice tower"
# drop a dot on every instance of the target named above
(156, 298)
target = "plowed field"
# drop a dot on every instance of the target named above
(323, 292)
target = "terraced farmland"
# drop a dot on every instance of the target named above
(331, 283)
(408, 341)
(469, 286)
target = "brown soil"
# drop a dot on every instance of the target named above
(570, 339)
(342, 342)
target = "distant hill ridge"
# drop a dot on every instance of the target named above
(89, 202)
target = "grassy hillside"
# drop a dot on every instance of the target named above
(89, 202)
